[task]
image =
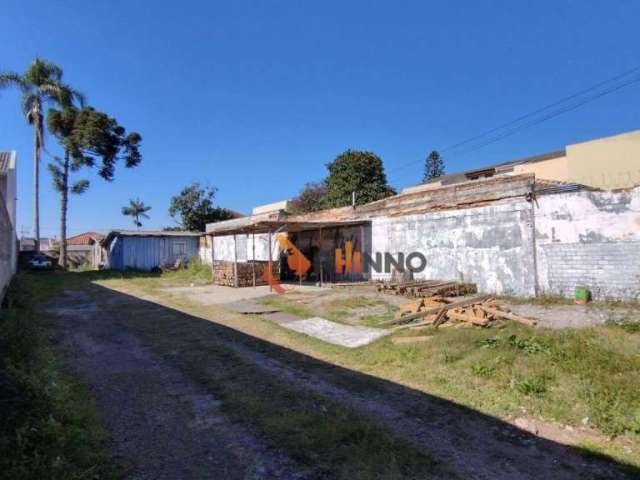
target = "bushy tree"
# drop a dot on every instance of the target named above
(433, 166)
(356, 171)
(193, 207)
(87, 137)
(310, 199)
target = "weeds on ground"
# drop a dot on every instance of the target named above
(629, 326)
(49, 427)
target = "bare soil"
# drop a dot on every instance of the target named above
(162, 425)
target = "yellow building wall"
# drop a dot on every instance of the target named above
(608, 163)
(552, 169)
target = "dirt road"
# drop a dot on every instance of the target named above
(145, 363)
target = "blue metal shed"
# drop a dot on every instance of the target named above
(144, 250)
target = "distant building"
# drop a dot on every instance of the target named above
(80, 247)
(608, 162)
(47, 245)
(144, 250)
(8, 238)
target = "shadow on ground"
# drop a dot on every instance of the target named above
(475, 445)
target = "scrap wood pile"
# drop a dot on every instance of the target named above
(427, 288)
(436, 311)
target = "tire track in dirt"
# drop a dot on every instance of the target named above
(161, 424)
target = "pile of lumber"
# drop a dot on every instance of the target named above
(223, 273)
(436, 311)
(428, 288)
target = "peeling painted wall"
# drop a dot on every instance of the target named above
(589, 239)
(491, 246)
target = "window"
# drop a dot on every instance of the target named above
(179, 248)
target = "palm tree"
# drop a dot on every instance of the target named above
(136, 210)
(41, 83)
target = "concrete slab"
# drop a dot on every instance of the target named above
(336, 333)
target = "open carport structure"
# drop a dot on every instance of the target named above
(240, 248)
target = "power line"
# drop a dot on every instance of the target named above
(555, 113)
(551, 115)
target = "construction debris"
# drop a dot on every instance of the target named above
(428, 288)
(436, 311)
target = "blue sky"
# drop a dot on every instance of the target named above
(256, 97)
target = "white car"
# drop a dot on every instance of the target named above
(40, 262)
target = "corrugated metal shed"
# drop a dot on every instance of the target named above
(144, 252)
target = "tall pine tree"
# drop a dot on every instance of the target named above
(433, 166)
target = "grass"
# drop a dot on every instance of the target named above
(49, 427)
(573, 376)
(354, 309)
(564, 375)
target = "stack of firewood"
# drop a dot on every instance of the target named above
(436, 311)
(223, 273)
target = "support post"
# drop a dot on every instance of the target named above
(269, 266)
(359, 268)
(213, 260)
(253, 257)
(320, 257)
(235, 261)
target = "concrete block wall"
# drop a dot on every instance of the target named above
(491, 245)
(589, 239)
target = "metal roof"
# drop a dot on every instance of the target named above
(148, 233)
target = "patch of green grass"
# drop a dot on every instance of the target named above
(49, 427)
(483, 370)
(196, 272)
(348, 310)
(629, 326)
(534, 385)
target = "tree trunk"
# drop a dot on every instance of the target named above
(64, 198)
(37, 135)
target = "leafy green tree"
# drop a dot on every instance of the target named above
(310, 199)
(41, 84)
(195, 208)
(356, 171)
(87, 137)
(433, 166)
(136, 210)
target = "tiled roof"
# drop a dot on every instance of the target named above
(84, 238)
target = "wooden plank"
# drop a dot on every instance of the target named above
(406, 340)
(509, 316)
(440, 317)
(429, 311)
(465, 317)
